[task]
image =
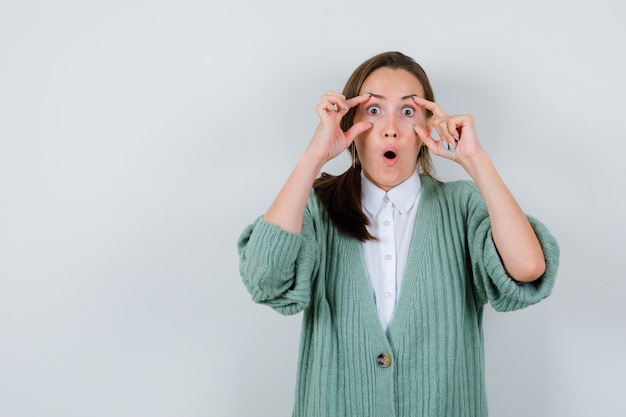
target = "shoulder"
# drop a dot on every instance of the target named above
(314, 206)
(315, 212)
(451, 190)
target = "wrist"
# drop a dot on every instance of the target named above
(312, 159)
(477, 164)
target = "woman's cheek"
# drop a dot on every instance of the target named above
(421, 119)
(370, 118)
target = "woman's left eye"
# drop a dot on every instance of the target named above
(408, 111)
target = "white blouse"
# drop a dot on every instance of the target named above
(392, 219)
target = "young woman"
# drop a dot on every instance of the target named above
(391, 267)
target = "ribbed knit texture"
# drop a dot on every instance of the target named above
(436, 337)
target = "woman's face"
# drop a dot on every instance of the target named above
(388, 151)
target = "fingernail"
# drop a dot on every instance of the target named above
(367, 94)
(452, 147)
(416, 96)
(445, 145)
(335, 107)
(456, 138)
(414, 128)
(345, 106)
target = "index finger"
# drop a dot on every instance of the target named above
(355, 101)
(430, 105)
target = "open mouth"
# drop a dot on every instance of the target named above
(390, 155)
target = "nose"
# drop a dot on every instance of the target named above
(390, 129)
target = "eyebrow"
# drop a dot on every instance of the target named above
(378, 96)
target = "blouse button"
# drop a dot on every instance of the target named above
(383, 360)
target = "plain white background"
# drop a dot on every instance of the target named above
(138, 138)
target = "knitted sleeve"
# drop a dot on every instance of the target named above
(491, 281)
(277, 267)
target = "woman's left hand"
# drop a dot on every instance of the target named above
(511, 231)
(457, 134)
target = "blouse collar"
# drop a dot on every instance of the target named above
(403, 196)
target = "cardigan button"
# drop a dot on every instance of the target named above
(383, 360)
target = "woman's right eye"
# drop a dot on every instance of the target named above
(373, 110)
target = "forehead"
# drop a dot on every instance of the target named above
(392, 83)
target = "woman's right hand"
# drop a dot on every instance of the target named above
(329, 140)
(287, 210)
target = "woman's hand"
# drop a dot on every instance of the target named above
(511, 231)
(287, 210)
(457, 134)
(329, 140)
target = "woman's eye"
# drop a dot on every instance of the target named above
(373, 110)
(408, 111)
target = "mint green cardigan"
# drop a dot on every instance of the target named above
(435, 341)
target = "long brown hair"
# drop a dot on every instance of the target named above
(341, 194)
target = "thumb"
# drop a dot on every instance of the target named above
(357, 129)
(425, 136)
